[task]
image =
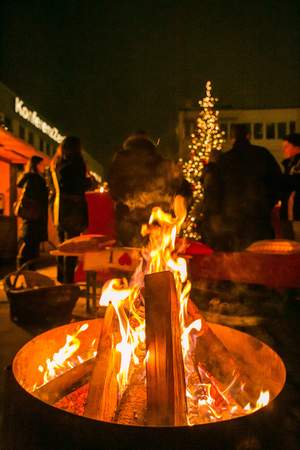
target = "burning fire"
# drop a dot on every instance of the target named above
(207, 398)
(203, 392)
(127, 300)
(64, 359)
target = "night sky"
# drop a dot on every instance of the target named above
(101, 69)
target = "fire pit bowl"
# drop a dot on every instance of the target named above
(31, 423)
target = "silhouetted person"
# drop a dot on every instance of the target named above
(290, 201)
(34, 228)
(140, 178)
(240, 191)
(70, 207)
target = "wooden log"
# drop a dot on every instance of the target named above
(62, 385)
(213, 356)
(103, 390)
(210, 350)
(166, 402)
(132, 407)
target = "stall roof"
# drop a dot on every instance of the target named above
(11, 157)
(15, 150)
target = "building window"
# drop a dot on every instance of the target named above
(258, 131)
(270, 131)
(246, 125)
(22, 132)
(224, 127)
(30, 137)
(281, 130)
(231, 132)
(292, 126)
(189, 127)
(41, 145)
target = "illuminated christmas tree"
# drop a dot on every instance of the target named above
(207, 137)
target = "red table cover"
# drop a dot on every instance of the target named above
(101, 221)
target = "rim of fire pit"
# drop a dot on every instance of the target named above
(30, 353)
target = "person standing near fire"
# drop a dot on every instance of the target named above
(34, 199)
(240, 192)
(290, 199)
(139, 179)
(70, 213)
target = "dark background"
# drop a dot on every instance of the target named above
(100, 69)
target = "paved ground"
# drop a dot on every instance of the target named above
(13, 337)
(281, 333)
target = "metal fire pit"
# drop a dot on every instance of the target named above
(33, 424)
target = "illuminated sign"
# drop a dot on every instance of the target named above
(33, 118)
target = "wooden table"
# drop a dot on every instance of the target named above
(279, 271)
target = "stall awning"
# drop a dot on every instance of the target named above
(11, 157)
(15, 150)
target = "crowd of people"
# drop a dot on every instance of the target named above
(245, 188)
(242, 188)
(67, 183)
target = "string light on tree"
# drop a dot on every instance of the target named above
(206, 137)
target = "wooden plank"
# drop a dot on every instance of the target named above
(132, 407)
(212, 355)
(102, 397)
(62, 385)
(166, 403)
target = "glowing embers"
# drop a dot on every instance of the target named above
(263, 367)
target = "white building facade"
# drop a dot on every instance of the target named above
(267, 127)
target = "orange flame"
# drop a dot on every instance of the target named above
(263, 400)
(61, 361)
(202, 390)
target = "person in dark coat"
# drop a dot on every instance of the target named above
(70, 213)
(139, 179)
(290, 199)
(240, 191)
(34, 230)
